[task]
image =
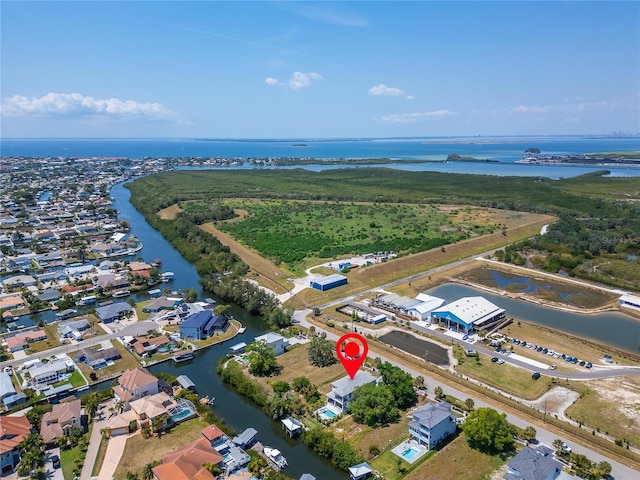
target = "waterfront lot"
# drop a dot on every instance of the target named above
(127, 362)
(139, 450)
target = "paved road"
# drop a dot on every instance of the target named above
(132, 329)
(618, 470)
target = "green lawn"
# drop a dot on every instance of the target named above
(76, 380)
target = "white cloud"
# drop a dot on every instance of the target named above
(297, 80)
(76, 104)
(382, 89)
(417, 116)
(532, 109)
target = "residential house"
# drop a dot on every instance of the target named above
(6, 386)
(19, 281)
(60, 420)
(162, 303)
(246, 438)
(152, 411)
(114, 311)
(13, 431)
(98, 359)
(12, 302)
(275, 341)
(21, 340)
(342, 390)
(49, 373)
(73, 328)
(134, 384)
(202, 325)
(216, 437)
(149, 345)
(432, 423)
(533, 464)
(187, 463)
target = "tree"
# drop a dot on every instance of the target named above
(222, 310)
(418, 382)
(322, 352)
(604, 468)
(31, 454)
(469, 403)
(281, 387)
(147, 471)
(438, 392)
(488, 430)
(262, 359)
(373, 405)
(558, 444)
(400, 384)
(529, 434)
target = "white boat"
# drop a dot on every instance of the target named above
(121, 293)
(275, 456)
(242, 329)
(167, 277)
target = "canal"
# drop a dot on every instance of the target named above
(238, 412)
(611, 328)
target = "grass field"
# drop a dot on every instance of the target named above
(458, 461)
(512, 380)
(612, 406)
(140, 451)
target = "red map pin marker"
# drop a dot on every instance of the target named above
(354, 352)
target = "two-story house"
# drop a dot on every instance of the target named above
(60, 420)
(134, 384)
(342, 390)
(432, 423)
(274, 341)
(12, 432)
(202, 325)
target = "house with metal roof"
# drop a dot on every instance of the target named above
(73, 328)
(201, 325)
(342, 390)
(468, 314)
(275, 341)
(361, 471)
(246, 438)
(533, 464)
(432, 423)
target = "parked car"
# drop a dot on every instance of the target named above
(55, 460)
(553, 367)
(494, 359)
(535, 375)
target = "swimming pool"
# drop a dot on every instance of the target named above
(409, 453)
(182, 415)
(330, 414)
(183, 410)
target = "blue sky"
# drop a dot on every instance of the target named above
(318, 69)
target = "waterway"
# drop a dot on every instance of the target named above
(611, 328)
(238, 412)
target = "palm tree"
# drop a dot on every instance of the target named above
(558, 444)
(147, 471)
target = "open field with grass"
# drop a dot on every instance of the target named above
(295, 363)
(379, 274)
(512, 380)
(293, 231)
(458, 461)
(139, 451)
(612, 406)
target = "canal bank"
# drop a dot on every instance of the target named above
(238, 412)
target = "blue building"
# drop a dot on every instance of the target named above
(329, 282)
(201, 325)
(468, 314)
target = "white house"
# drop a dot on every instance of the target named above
(342, 390)
(273, 340)
(432, 423)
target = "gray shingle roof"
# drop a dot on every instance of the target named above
(533, 464)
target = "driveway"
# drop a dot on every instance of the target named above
(50, 472)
